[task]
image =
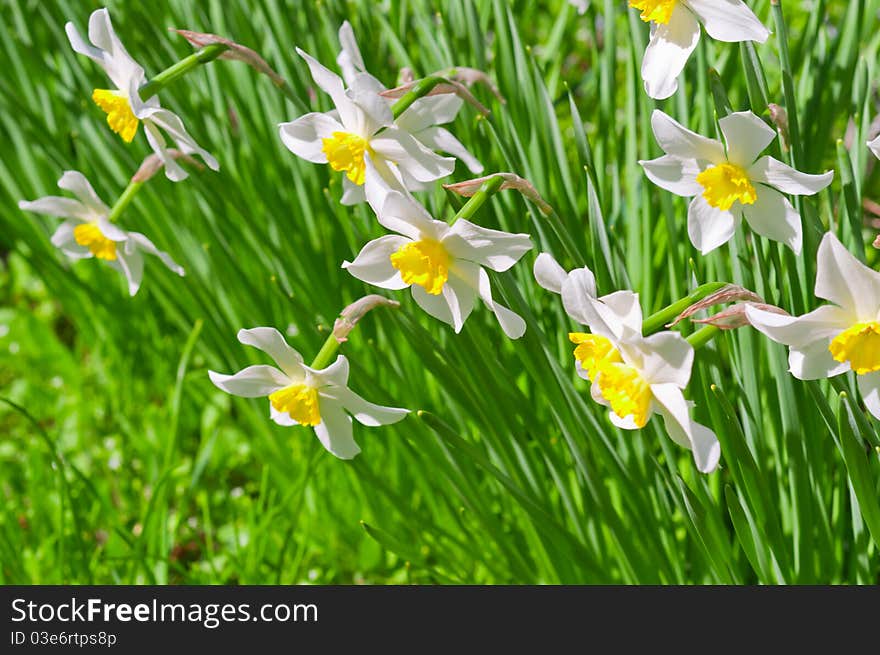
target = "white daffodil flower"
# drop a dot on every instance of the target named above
(362, 124)
(675, 31)
(729, 182)
(834, 339)
(123, 105)
(874, 145)
(300, 395)
(87, 231)
(422, 119)
(442, 265)
(632, 375)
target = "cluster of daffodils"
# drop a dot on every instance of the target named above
(386, 149)
(633, 375)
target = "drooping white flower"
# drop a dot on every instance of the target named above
(874, 145)
(442, 265)
(675, 32)
(362, 124)
(123, 105)
(632, 375)
(728, 181)
(300, 395)
(88, 232)
(834, 339)
(422, 119)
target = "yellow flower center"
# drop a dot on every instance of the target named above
(725, 184)
(298, 400)
(620, 384)
(90, 236)
(658, 11)
(425, 263)
(120, 118)
(860, 346)
(626, 391)
(345, 152)
(593, 352)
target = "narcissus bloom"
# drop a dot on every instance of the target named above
(442, 265)
(675, 32)
(300, 395)
(422, 119)
(632, 375)
(728, 181)
(87, 231)
(362, 124)
(123, 105)
(834, 339)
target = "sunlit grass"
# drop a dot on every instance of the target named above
(123, 464)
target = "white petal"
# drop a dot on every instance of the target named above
(366, 413)
(429, 111)
(374, 112)
(57, 206)
(410, 156)
(774, 217)
(746, 137)
(352, 194)
(676, 140)
(271, 342)
(674, 174)
(131, 262)
(304, 136)
(869, 387)
(814, 362)
(171, 123)
(667, 359)
(350, 61)
(493, 249)
(511, 323)
(78, 185)
(709, 227)
(844, 280)
(460, 291)
(335, 431)
(550, 275)
(799, 331)
(142, 242)
(331, 84)
(684, 430)
(120, 67)
(578, 289)
(874, 145)
(786, 179)
(626, 309)
(252, 382)
(442, 140)
(436, 306)
(668, 51)
(64, 240)
(729, 20)
(281, 418)
(334, 375)
(396, 210)
(80, 46)
(628, 422)
(373, 263)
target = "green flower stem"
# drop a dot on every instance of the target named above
(488, 189)
(420, 89)
(181, 68)
(656, 322)
(322, 359)
(123, 201)
(703, 336)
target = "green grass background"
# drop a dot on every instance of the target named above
(121, 463)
